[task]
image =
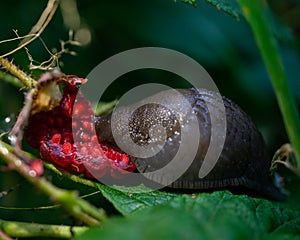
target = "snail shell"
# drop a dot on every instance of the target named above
(244, 161)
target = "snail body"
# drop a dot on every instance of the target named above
(243, 162)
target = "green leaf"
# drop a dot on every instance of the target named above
(192, 2)
(228, 6)
(219, 215)
(128, 201)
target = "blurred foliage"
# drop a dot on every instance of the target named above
(219, 215)
(223, 45)
(228, 6)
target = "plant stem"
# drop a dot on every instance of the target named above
(79, 208)
(72, 177)
(25, 79)
(253, 11)
(10, 79)
(23, 229)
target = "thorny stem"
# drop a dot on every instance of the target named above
(23, 229)
(26, 80)
(79, 208)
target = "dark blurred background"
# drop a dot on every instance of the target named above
(223, 45)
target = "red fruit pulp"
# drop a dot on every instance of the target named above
(65, 136)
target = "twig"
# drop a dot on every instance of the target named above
(16, 38)
(77, 207)
(16, 133)
(23, 229)
(53, 62)
(80, 180)
(25, 79)
(39, 27)
(43, 208)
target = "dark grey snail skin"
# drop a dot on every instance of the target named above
(244, 161)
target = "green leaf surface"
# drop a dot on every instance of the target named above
(192, 2)
(219, 215)
(128, 201)
(227, 6)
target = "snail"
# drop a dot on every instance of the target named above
(243, 163)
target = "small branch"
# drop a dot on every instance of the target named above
(80, 180)
(16, 38)
(42, 208)
(43, 21)
(53, 61)
(23, 230)
(39, 27)
(72, 177)
(253, 11)
(79, 208)
(26, 80)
